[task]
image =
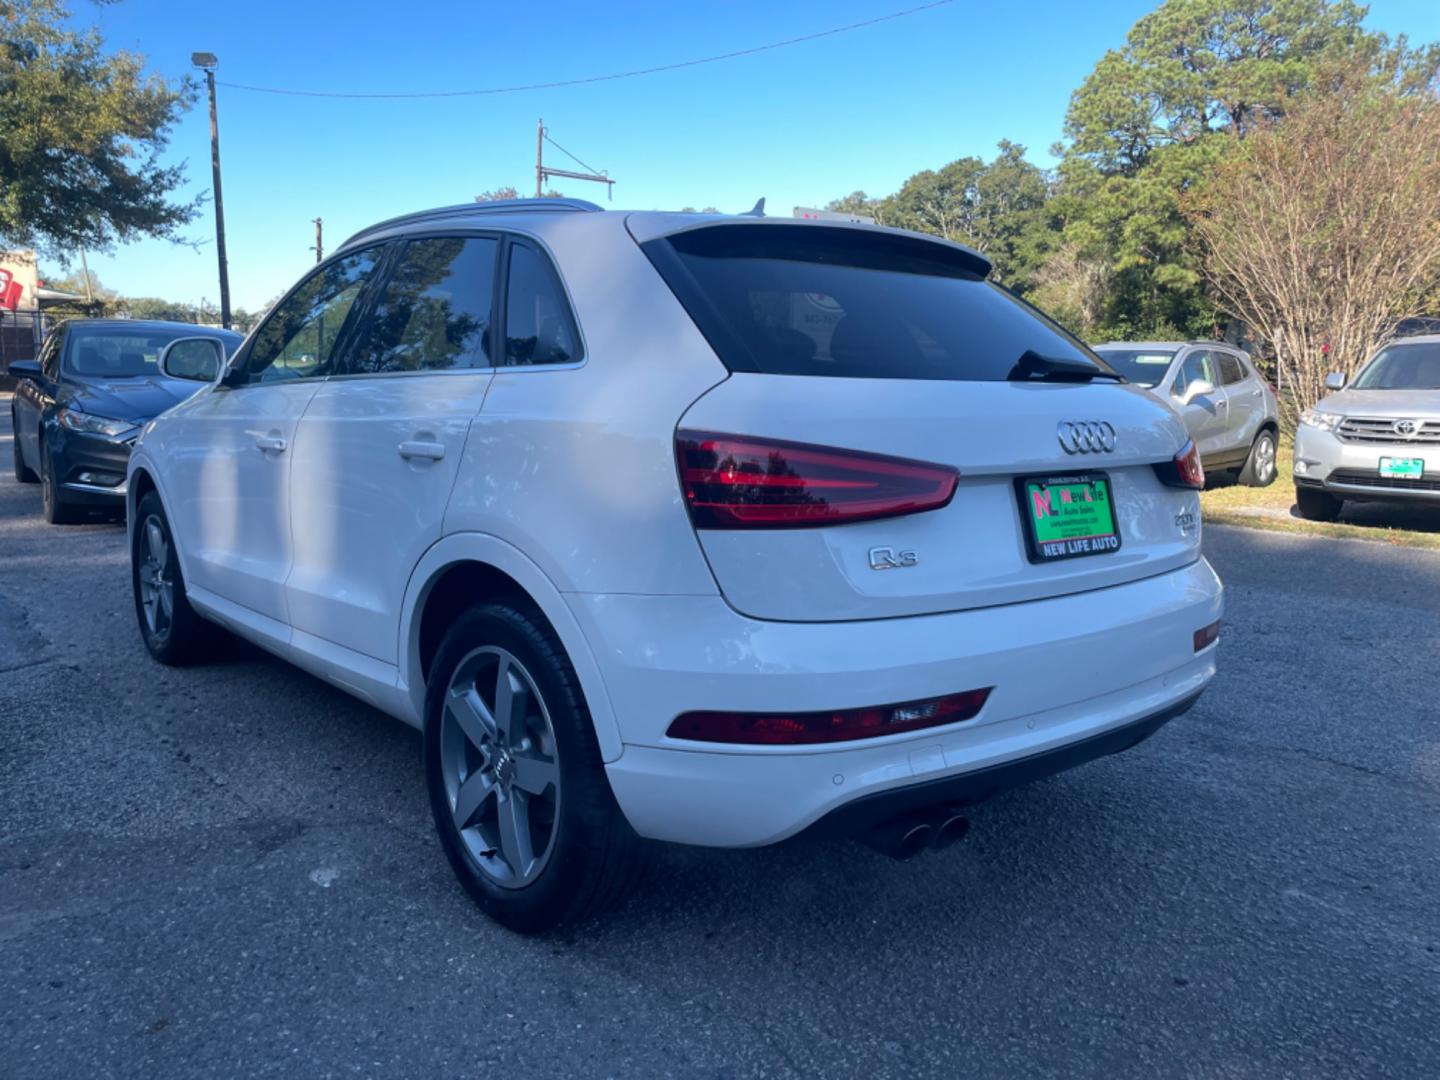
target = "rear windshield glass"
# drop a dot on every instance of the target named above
(1143, 367)
(799, 300)
(1403, 367)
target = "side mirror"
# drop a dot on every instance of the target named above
(1335, 381)
(1198, 388)
(25, 369)
(198, 359)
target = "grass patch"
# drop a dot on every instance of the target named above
(1273, 508)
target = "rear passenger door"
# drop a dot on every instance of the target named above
(1244, 401)
(1204, 414)
(378, 449)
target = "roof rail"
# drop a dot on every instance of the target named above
(498, 206)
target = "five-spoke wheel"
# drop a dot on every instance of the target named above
(517, 783)
(500, 765)
(157, 589)
(173, 631)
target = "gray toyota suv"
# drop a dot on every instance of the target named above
(1378, 437)
(1229, 410)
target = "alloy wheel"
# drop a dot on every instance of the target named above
(500, 766)
(1265, 460)
(157, 589)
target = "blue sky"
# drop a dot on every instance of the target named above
(799, 125)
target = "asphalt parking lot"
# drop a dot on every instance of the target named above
(231, 871)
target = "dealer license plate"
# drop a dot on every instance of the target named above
(1402, 468)
(1067, 516)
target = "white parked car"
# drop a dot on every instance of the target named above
(697, 528)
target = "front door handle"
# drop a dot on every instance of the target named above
(271, 443)
(419, 448)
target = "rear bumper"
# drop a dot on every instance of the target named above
(976, 786)
(1352, 470)
(1065, 670)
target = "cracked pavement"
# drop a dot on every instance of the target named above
(230, 870)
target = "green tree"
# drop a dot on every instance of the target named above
(1322, 229)
(999, 208)
(82, 133)
(153, 307)
(502, 194)
(858, 203)
(75, 283)
(1157, 116)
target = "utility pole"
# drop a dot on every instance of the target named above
(206, 62)
(544, 172)
(319, 239)
(85, 269)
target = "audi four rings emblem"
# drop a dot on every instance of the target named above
(1086, 436)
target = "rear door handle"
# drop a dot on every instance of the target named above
(273, 443)
(419, 448)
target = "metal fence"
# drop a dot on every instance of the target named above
(21, 333)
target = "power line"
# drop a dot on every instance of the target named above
(545, 134)
(602, 78)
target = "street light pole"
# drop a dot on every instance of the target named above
(206, 62)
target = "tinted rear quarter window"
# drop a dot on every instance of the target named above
(801, 300)
(539, 328)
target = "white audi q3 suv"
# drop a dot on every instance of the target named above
(697, 528)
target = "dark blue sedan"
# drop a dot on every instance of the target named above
(79, 405)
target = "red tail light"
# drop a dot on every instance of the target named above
(1207, 636)
(1185, 471)
(794, 729)
(739, 482)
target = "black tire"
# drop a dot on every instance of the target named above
(53, 506)
(1317, 505)
(23, 473)
(186, 636)
(593, 857)
(1259, 468)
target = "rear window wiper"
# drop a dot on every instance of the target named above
(1032, 365)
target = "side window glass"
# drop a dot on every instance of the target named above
(1231, 370)
(539, 328)
(1195, 366)
(434, 311)
(298, 339)
(49, 358)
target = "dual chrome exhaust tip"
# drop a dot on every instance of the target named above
(907, 835)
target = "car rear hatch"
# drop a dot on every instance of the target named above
(900, 437)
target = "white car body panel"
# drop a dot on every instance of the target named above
(229, 498)
(362, 512)
(970, 553)
(1051, 662)
(564, 478)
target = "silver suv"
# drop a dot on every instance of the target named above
(1378, 439)
(1229, 410)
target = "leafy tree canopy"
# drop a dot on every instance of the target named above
(1156, 117)
(1192, 67)
(999, 208)
(82, 133)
